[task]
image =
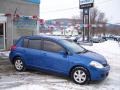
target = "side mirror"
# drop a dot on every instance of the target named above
(64, 53)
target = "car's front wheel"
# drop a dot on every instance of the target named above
(18, 64)
(80, 75)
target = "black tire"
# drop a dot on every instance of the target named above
(80, 80)
(19, 64)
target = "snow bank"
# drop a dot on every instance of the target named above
(4, 54)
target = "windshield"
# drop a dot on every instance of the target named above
(73, 46)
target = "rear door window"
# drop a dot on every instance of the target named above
(25, 43)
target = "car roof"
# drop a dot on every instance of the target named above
(45, 37)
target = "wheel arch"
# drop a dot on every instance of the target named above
(16, 56)
(75, 66)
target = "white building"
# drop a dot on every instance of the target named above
(17, 18)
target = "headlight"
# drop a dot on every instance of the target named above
(96, 64)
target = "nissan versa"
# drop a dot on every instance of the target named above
(53, 54)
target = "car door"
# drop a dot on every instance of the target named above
(33, 53)
(55, 58)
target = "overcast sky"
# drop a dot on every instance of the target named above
(51, 9)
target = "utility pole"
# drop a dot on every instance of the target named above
(83, 26)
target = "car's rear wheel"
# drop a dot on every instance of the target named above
(80, 75)
(18, 64)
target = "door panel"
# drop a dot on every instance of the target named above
(33, 53)
(34, 58)
(54, 59)
(56, 62)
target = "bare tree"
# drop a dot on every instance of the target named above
(76, 23)
(96, 18)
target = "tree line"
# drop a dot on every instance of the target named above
(99, 19)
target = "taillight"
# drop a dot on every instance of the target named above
(13, 47)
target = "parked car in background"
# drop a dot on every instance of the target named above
(97, 39)
(117, 37)
(108, 37)
(53, 54)
(74, 38)
(105, 38)
(112, 37)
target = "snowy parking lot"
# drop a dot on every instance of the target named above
(36, 80)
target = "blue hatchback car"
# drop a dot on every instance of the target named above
(50, 53)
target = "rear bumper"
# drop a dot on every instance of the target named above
(99, 74)
(11, 57)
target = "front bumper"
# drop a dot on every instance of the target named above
(99, 74)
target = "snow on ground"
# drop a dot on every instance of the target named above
(29, 87)
(35, 80)
(4, 54)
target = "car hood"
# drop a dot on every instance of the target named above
(94, 56)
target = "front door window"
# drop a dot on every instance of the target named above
(52, 47)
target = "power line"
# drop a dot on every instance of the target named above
(103, 2)
(59, 10)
